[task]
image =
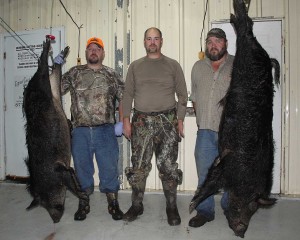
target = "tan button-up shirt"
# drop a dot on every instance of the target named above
(208, 88)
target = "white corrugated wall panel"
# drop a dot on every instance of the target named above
(218, 9)
(273, 8)
(181, 24)
(97, 18)
(292, 150)
(143, 14)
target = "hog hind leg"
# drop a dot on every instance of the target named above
(212, 184)
(71, 182)
(73, 185)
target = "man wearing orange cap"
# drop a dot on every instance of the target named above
(94, 90)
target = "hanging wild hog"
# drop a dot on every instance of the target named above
(48, 143)
(244, 167)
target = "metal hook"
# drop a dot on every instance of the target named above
(247, 3)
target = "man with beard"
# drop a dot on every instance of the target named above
(157, 123)
(210, 80)
(94, 89)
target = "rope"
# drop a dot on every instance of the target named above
(79, 27)
(18, 39)
(203, 24)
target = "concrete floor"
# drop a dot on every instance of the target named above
(280, 222)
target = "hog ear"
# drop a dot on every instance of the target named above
(35, 203)
(266, 202)
(253, 206)
(60, 166)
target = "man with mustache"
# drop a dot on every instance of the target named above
(94, 90)
(210, 80)
(156, 125)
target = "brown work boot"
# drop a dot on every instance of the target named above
(199, 220)
(133, 212)
(113, 206)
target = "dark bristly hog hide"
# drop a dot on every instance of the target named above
(48, 143)
(244, 167)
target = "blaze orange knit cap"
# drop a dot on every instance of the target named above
(95, 40)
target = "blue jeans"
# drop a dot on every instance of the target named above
(206, 150)
(101, 142)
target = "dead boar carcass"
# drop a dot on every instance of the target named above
(244, 167)
(48, 143)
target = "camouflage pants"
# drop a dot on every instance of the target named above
(154, 133)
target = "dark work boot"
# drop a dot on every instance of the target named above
(170, 191)
(83, 209)
(137, 207)
(133, 212)
(173, 216)
(199, 220)
(113, 206)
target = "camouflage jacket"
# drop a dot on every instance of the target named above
(93, 94)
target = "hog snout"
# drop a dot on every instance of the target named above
(56, 213)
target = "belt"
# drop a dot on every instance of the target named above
(92, 126)
(173, 110)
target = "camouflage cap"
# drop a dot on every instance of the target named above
(216, 32)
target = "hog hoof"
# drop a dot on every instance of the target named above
(81, 213)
